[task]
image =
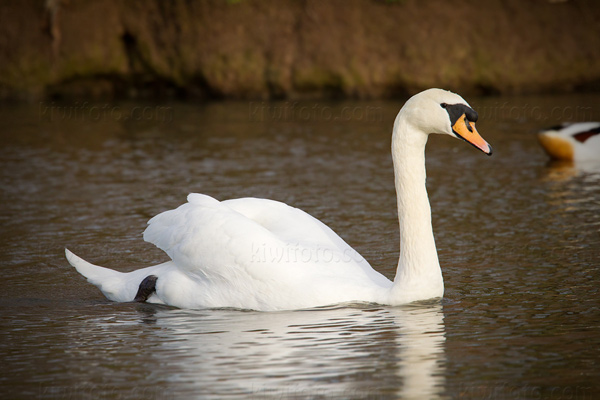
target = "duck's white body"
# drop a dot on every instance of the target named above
(265, 255)
(578, 141)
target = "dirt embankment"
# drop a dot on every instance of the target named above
(295, 48)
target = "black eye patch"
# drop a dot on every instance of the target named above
(456, 110)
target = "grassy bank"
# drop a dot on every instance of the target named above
(295, 48)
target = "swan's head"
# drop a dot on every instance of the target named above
(441, 111)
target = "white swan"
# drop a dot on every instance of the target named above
(578, 141)
(265, 255)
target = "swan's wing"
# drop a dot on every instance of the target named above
(295, 227)
(204, 237)
(259, 238)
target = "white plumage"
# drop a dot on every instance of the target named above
(265, 255)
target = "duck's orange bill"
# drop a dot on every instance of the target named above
(466, 130)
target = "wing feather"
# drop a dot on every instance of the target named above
(249, 240)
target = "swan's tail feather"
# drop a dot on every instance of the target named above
(112, 283)
(94, 273)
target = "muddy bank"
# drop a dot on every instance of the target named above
(297, 48)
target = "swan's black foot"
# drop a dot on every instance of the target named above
(147, 287)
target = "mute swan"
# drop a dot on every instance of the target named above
(265, 255)
(574, 142)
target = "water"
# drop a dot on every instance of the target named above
(518, 240)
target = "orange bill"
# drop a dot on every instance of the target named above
(466, 130)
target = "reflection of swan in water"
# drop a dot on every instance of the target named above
(349, 352)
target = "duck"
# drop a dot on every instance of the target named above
(579, 141)
(265, 255)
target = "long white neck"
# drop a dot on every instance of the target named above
(418, 275)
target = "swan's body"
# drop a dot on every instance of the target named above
(265, 255)
(573, 142)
